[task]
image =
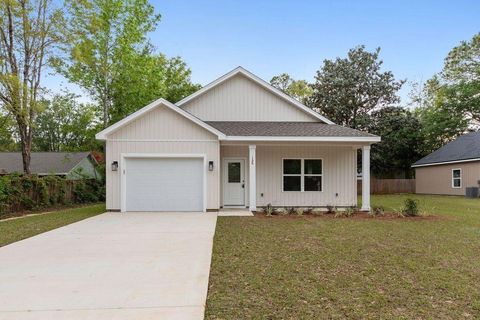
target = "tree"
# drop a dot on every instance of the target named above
(347, 90)
(297, 89)
(103, 37)
(28, 35)
(150, 77)
(401, 143)
(66, 125)
(7, 131)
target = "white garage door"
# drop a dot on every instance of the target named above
(164, 184)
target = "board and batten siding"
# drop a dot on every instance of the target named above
(241, 99)
(161, 131)
(339, 174)
(438, 179)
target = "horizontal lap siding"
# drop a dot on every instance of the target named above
(438, 179)
(241, 99)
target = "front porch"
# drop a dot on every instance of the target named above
(254, 174)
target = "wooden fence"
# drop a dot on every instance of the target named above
(389, 186)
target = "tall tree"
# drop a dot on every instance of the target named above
(7, 132)
(146, 78)
(28, 35)
(66, 125)
(103, 35)
(298, 89)
(347, 90)
(401, 143)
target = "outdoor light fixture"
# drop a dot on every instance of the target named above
(210, 165)
(115, 166)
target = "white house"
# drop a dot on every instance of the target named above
(238, 142)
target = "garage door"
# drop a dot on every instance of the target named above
(164, 184)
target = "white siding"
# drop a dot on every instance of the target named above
(339, 174)
(161, 131)
(241, 99)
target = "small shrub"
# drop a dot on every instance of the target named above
(347, 212)
(268, 210)
(350, 211)
(290, 210)
(281, 211)
(331, 209)
(318, 211)
(377, 211)
(410, 207)
(299, 211)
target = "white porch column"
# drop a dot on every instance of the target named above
(252, 181)
(365, 178)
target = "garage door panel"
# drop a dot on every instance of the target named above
(164, 184)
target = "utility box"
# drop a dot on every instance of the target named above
(471, 192)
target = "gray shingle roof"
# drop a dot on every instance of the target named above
(41, 162)
(285, 129)
(465, 147)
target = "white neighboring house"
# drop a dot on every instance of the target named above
(236, 143)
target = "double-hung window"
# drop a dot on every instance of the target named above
(302, 174)
(456, 178)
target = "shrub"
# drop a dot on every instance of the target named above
(308, 211)
(299, 211)
(348, 212)
(377, 211)
(268, 210)
(331, 209)
(410, 207)
(290, 210)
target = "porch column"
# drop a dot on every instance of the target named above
(252, 181)
(366, 178)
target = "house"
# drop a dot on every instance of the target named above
(450, 169)
(236, 143)
(71, 165)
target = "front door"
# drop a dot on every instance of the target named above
(234, 182)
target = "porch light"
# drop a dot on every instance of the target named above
(210, 165)
(115, 166)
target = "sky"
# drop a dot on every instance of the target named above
(271, 37)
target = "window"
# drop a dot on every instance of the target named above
(456, 178)
(234, 172)
(302, 174)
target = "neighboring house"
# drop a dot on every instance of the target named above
(450, 169)
(71, 165)
(238, 142)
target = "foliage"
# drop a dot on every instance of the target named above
(346, 90)
(29, 32)
(299, 211)
(147, 77)
(401, 143)
(410, 207)
(66, 125)
(298, 89)
(377, 211)
(31, 192)
(347, 212)
(7, 131)
(331, 209)
(268, 210)
(103, 36)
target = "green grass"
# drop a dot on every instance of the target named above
(317, 268)
(21, 228)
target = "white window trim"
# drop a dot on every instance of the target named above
(459, 178)
(302, 174)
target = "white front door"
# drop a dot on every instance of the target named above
(233, 182)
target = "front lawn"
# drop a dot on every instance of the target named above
(316, 268)
(21, 228)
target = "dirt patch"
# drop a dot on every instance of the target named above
(355, 216)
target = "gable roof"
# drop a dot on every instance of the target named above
(464, 148)
(60, 163)
(102, 135)
(288, 129)
(262, 83)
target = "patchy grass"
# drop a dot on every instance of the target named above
(21, 228)
(307, 268)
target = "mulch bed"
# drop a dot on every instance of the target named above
(355, 216)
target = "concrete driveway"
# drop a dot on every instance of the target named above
(112, 266)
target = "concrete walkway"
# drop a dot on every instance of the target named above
(113, 266)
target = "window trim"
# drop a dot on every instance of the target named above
(459, 178)
(302, 174)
